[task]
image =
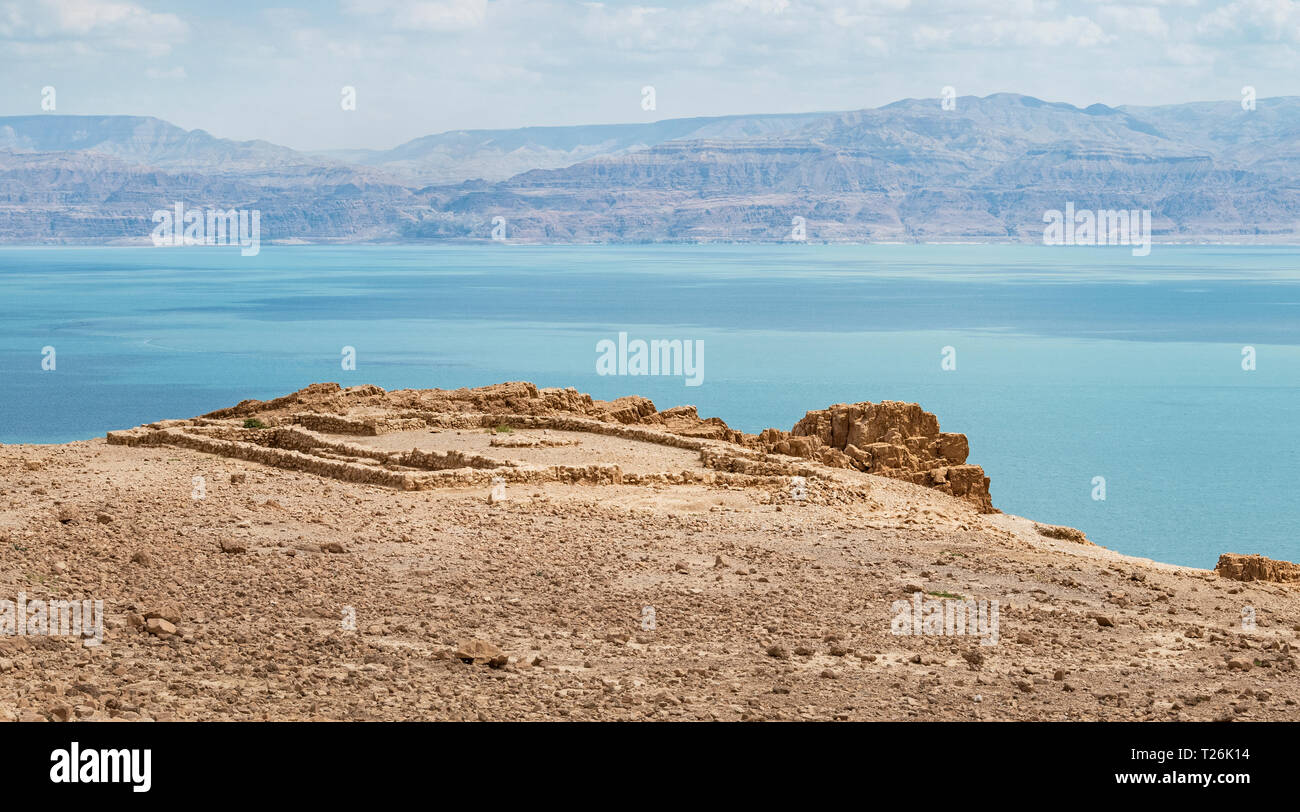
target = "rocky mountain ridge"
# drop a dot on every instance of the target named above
(987, 170)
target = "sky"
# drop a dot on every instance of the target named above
(246, 70)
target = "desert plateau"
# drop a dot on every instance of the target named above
(516, 553)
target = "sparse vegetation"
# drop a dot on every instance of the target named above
(254, 423)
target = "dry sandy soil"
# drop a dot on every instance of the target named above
(765, 605)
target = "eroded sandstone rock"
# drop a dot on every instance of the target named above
(890, 438)
(1256, 568)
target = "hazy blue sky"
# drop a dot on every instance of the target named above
(244, 70)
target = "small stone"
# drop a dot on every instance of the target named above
(60, 713)
(332, 547)
(232, 547)
(1059, 674)
(778, 652)
(142, 558)
(87, 688)
(1104, 620)
(167, 611)
(476, 650)
(1240, 664)
(238, 479)
(59, 567)
(103, 518)
(158, 626)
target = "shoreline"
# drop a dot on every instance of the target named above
(719, 429)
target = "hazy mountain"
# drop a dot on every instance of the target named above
(496, 155)
(78, 197)
(988, 169)
(911, 170)
(145, 140)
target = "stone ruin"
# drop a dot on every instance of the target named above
(892, 439)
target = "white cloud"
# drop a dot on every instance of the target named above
(1078, 32)
(1135, 19)
(422, 15)
(1268, 20)
(177, 72)
(91, 25)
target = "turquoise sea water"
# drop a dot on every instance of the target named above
(1072, 363)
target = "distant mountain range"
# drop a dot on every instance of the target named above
(908, 171)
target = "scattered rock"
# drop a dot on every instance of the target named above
(167, 611)
(158, 626)
(1052, 531)
(475, 651)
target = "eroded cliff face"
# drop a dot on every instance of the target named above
(1257, 568)
(891, 438)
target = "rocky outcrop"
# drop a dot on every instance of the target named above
(1257, 568)
(1062, 533)
(893, 439)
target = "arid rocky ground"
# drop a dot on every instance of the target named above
(772, 596)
